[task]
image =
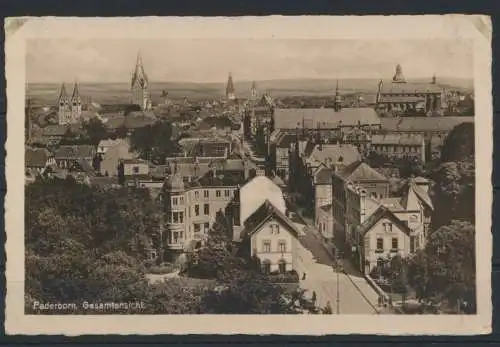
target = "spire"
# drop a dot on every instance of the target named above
(338, 99)
(253, 91)
(139, 74)
(63, 95)
(230, 87)
(76, 92)
(398, 76)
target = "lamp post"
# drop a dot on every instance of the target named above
(338, 267)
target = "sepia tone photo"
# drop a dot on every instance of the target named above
(206, 174)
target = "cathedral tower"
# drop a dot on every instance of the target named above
(398, 76)
(230, 92)
(253, 91)
(139, 86)
(64, 112)
(76, 104)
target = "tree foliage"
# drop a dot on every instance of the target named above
(154, 142)
(445, 271)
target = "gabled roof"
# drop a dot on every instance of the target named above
(360, 171)
(422, 195)
(255, 192)
(264, 213)
(376, 216)
(75, 152)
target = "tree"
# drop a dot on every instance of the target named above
(445, 271)
(154, 142)
(459, 144)
(95, 131)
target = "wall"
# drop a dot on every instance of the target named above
(266, 233)
(112, 158)
(377, 231)
(322, 195)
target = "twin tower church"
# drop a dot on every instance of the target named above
(70, 106)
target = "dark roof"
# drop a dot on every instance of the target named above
(265, 212)
(409, 88)
(360, 171)
(313, 118)
(222, 180)
(36, 157)
(54, 130)
(380, 213)
(423, 124)
(324, 176)
(75, 152)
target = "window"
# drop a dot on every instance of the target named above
(282, 246)
(196, 210)
(388, 227)
(135, 169)
(181, 200)
(394, 243)
(175, 217)
(412, 244)
(181, 217)
(205, 194)
(207, 226)
(380, 244)
(152, 255)
(266, 266)
(275, 229)
(174, 201)
(197, 228)
(206, 209)
(266, 246)
(226, 193)
(196, 195)
(282, 266)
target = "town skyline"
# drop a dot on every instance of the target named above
(102, 61)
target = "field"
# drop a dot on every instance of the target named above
(113, 93)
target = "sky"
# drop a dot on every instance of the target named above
(210, 60)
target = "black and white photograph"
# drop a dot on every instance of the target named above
(250, 173)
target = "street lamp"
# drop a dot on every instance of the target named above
(338, 268)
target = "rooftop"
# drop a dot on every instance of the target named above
(345, 154)
(75, 152)
(323, 117)
(360, 171)
(397, 139)
(423, 124)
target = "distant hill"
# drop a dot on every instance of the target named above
(107, 93)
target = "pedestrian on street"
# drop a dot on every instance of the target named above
(314, 298)
(303, 276)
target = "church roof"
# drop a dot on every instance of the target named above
(230, 84)
(63, 94)
(423, 124)
(76, 92)
(139, 75)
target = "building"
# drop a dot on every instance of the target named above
(139, 86)
(111, 153)
(434, 130)
(399, 146)
(383, 228)
(372, 182)
(191, 207)
(135, 167)
(402, 96)
(230, 91)
(72, 157)
(38, 159)
(70, 108)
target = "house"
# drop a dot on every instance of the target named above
(399, 146)
(388, 226)
(67, 156)
(272, 238)
(54, 133)
(373, 183)
(135, 167)
(111, 153)
(382, 236)
(38, 159)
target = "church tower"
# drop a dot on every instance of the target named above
(338, 100)
(64, 112)
(398, 76)
(139, 86)
(230, 92)
(76, 105)
(433, 79)
(253, 91)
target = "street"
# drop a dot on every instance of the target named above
(355, 295)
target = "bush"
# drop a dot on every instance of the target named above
(287, 277)
(162, 269)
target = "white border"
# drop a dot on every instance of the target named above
(475, 28)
